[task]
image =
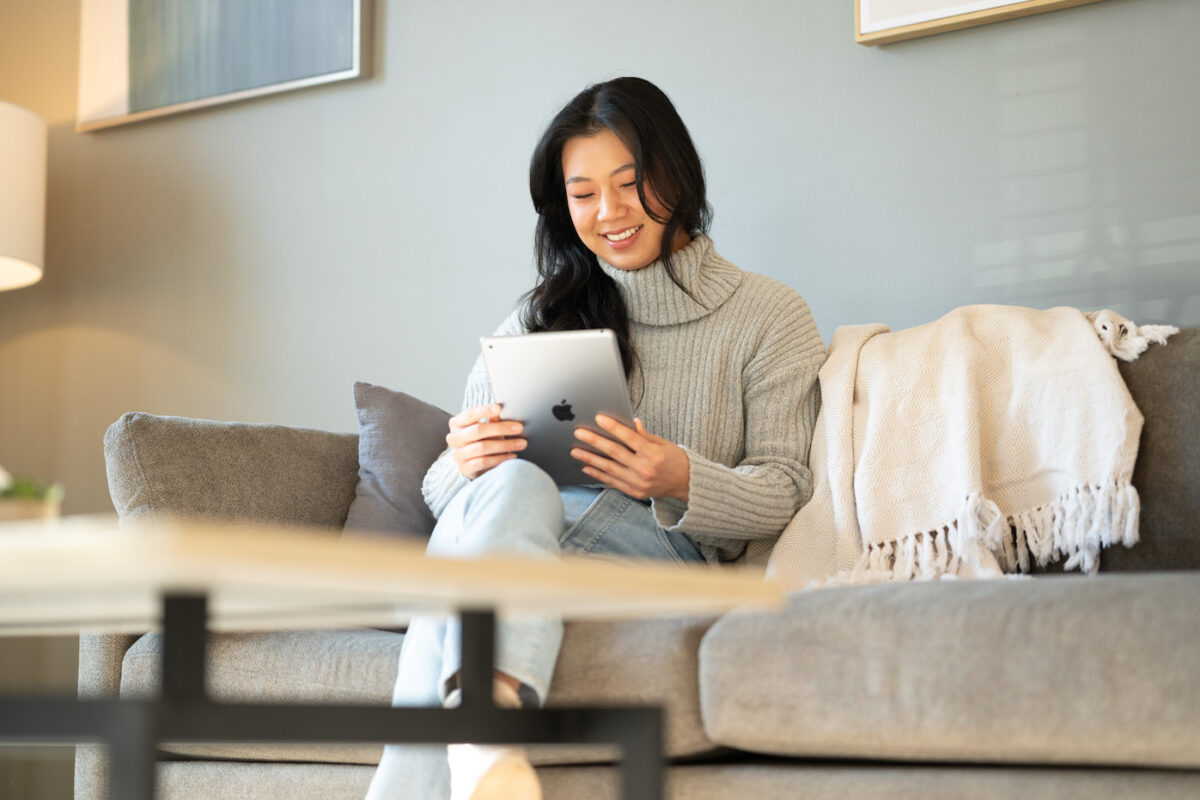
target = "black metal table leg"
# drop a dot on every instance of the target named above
(134, 727)
(478, 640)
(132, 754)
(642, 757)
(184, 651)
(639, 731)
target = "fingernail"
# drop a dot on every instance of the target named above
(522, 444)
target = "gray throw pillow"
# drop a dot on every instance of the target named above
(399, 437)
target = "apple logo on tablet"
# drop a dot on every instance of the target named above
(562, 411)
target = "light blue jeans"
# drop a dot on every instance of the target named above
(513, 509)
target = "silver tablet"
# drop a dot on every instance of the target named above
(555, 383)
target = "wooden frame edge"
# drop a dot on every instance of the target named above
(958, 21)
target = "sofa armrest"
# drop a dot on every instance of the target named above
(100, 656)
(230, 470)
(201, 468)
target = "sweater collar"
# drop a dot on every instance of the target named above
(652, 298)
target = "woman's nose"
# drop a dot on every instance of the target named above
(611, 206)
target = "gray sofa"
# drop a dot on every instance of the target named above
(1059, 686)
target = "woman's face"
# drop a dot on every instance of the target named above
(603, 200)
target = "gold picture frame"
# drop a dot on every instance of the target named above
(886, 21)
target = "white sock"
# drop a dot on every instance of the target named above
(491, 772)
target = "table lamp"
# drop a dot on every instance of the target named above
(22, 196)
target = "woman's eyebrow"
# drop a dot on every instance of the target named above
(581, 179)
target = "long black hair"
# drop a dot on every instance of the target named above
(572, 291)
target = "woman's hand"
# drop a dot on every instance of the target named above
(639, 463)
(479, 439)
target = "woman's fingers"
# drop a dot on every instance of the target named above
(475, 467)
(594, 460)
(614, 450)
(490, 447)
(641, 464)
(616, 465)
(480, 422)
(478, 457)
(483, 431)
(479, 439)
(623, 433)
(611, 472)
(472, 416)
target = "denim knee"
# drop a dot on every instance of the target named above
(515, 479)
(521, 471)
(513, 508)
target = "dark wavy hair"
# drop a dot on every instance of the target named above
(572, 291)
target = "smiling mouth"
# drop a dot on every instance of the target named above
(623, 235)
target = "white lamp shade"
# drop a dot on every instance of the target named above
(22, 196)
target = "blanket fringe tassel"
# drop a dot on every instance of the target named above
(1076, 525)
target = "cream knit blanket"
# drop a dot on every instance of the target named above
(965, 447)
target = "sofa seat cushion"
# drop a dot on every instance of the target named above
(634, 662)
(1052, 670)
(602, 663)
(336, 666)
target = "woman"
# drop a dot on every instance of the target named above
(721, 365)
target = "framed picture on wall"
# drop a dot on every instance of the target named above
(886, 21)
(140, 59)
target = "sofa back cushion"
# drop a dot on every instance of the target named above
(1165, 382)
(230, 470)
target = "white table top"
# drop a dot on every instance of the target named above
(89, 573)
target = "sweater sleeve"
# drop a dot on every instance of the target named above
(757, 497)
(443, 480)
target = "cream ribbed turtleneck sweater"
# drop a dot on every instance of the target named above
(731, 379)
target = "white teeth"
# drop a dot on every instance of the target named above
(620, 237)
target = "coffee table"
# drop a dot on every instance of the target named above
(190, 577)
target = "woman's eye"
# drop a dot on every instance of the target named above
(628, 185)
(582, 196)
